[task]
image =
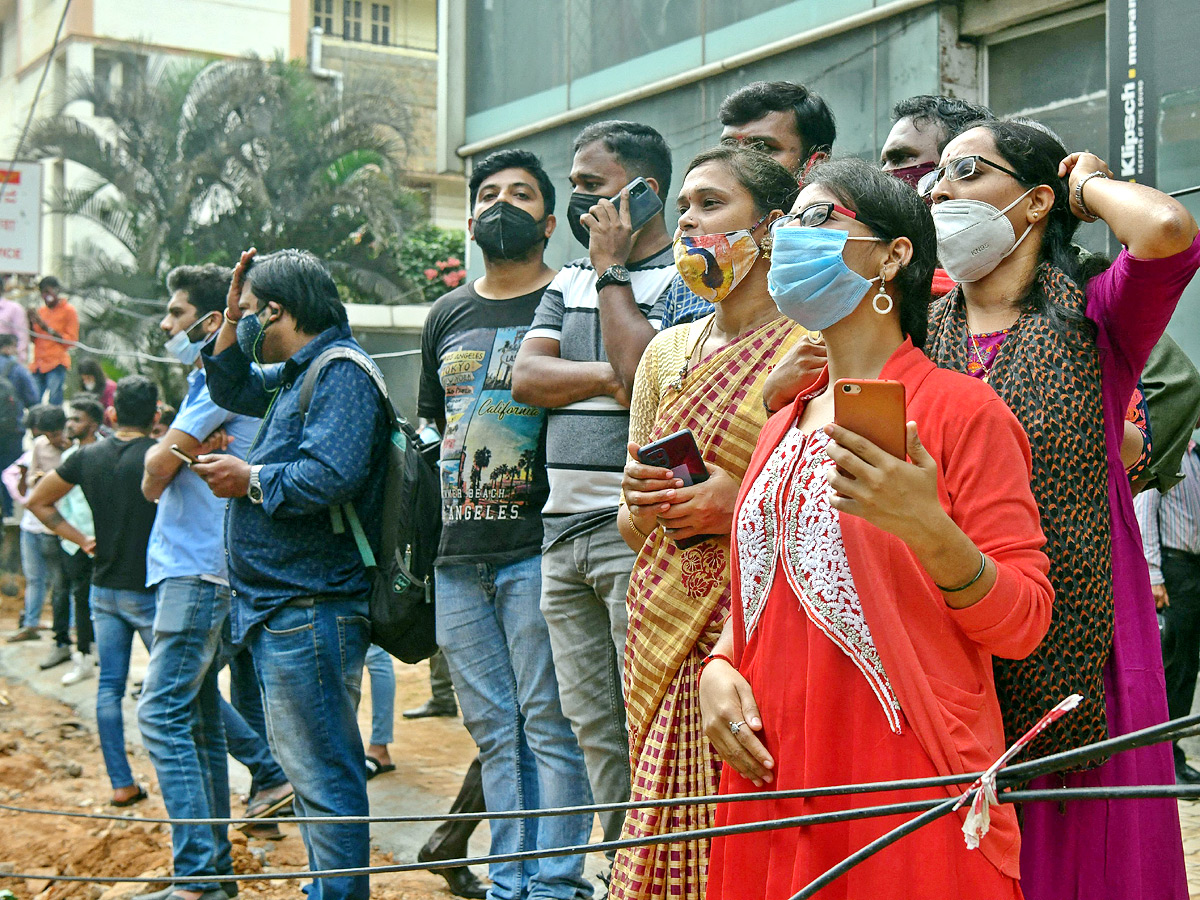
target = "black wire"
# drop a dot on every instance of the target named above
(1016, 774)
(880, 843)
(1183, 192)
(1063, 795)
(37, 95)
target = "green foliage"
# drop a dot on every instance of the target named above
(192, 164)
(431, 259)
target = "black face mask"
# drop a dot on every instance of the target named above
(579, 205)
(504, 231)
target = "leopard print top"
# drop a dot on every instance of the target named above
(1052, 385)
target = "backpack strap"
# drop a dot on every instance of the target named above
(345, 514)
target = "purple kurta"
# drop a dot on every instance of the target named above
(1120, 849)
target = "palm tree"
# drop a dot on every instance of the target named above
(191, 164)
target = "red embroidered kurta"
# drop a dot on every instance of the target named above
(861, 671)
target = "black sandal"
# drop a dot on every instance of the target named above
(129, 801)
(375, 767)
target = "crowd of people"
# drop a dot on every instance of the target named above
(813, 609)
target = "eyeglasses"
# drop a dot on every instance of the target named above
(957, 170)
(813, 216)
(817, 214)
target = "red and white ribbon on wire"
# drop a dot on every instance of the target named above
(979, 818)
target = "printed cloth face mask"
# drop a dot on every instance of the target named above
(712, 265)
(973, 237)
(809, 279)
(183, 348)
(250, 333)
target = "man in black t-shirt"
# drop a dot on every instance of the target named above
(488, 572)
(110, 473)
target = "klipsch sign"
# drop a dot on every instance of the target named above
(1131, 96)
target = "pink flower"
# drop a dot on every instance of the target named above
(454, 261)
(431, 274)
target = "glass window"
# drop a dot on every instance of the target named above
(323, 15)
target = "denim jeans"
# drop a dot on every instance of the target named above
(383, 694)
(180, 720)
(51, 382)
(116, 616)
(495, 640)
(245, 724)
(584, 583)
(309, 659)
(41, 560)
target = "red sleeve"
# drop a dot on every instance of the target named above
(987, 470)
(70, 329)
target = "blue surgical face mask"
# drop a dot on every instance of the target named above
(809, 279)
(250, 333)
(183, 348)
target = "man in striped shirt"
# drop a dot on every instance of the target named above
(578, 361)
(1170, 525)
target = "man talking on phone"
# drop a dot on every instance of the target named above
(578, 361)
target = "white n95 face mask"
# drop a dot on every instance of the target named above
(973, 236)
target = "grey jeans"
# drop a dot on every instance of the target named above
(584, 583)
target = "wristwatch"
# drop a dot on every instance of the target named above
(254, 493)
(612, 275)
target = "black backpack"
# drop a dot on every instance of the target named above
(10, 407)
(402, 602)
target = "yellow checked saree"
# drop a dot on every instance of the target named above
(678, 600)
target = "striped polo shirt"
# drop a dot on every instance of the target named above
(585, 441)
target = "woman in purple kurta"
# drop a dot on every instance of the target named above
(1067, 362)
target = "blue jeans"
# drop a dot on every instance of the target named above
(51, 382)
(496, 642)
(180, 720)
(41, 560)
(245, 724)
(116, 616)
(383, 694)
(309, 660)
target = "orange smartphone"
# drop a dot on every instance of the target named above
(874, 409)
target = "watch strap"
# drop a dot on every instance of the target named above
(613, 275)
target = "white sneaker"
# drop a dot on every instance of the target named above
(84, 667)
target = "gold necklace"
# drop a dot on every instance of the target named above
(987, 370)
(677, 384)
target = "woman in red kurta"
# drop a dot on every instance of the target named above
(843, 660)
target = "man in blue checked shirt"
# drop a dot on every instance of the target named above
(299, 587)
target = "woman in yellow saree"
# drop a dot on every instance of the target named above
(707, 377)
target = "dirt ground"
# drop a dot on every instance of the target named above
(50, 759)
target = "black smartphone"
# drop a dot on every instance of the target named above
(644, 204)
(187, 458)
(679, 453)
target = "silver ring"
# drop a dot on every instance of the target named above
(735, 727)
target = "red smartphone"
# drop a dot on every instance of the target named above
(679, 453)
(874, 409)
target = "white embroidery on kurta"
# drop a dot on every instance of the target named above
(786, 514)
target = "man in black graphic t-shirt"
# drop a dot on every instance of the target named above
(488, 573)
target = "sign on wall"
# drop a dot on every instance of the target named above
(1132, 93)
(21, 218)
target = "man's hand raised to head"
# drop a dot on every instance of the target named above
(233, 312)
(611, 233)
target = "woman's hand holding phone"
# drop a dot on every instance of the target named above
(893, 494)
(648, 490)
(705, 508)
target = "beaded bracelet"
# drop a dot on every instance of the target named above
(978, 575)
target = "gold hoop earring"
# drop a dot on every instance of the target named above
(887, 298)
